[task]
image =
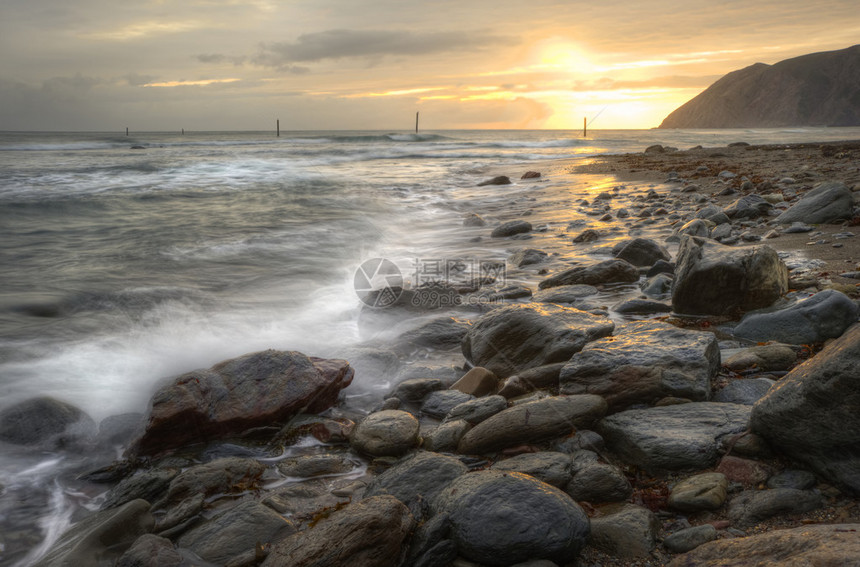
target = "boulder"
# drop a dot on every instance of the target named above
(476, 411)
(764, 358)
(827, 202)
(689, 539)
(370, 533)
(151, 551)
(414, 390)
(439, 404)
(221, 476)
(643, 362)
(599, 482)
(624, 530)
(44, 420)
(441, 333)
(537, 378)
(527, 257)
(695, 227)
(823, 316)
(812, 413)
(587, 235)
(753, 506)
(546, 466)
(685, 436)
(748, 207)
(416, 478)
(497, 180)
(641, 252)
(517, 337)
(446, 436)
(232, 536)
(474, 219)
(712, 279)
(745, 392)
(533, 422)
(641, 307)
(565, 293)
(511, 228)
(706, 491)
(388, 433)
(239, 394)
(477, 382)
(501, 518)
(101, 537)
(608, 271)
(820, 545)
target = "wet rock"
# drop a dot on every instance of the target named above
(477, 382)
(545, 376)
(812, 415)
(674, 437)
(643, 362)
(45, 421)
(746, 392)
(837, 544)
(792, 478)
(624, 530)
(546, 466)
(417, 478)
(370, 533)
(712, 279)
(827, 202)
(500, 518)
(599, 482)
(744, 471)
(689, 539)
(119, 429)
(767, 358)
(514, 338)
(748, 207)
(476, 411)
(659, 285)
(706, 491)
(232, 537)
(641, 307)
(446, 437)
(103, 536)
(608, 271)
(753, 506)
(498, 180)
(151, 551)
(565, 294)
(388, 433)
(441, 333)
(641, 252)
(530, 175)
(439, 404)
(414, 390)
(239, 394)
(527, 257)
(823, 316)
(306, 466)
(474, 220)
(655, 149)
(221, 476)
(511, 228)
(695, 227)
(149, 485)
(588, 235)
(533, 422)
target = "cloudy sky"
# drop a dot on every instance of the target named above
(371, 64)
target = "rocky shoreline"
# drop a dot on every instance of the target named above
(709, 417)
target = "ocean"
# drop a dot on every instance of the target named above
(125, 260)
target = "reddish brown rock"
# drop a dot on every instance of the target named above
(256, 389)
(745, 471)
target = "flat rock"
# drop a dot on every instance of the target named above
(533, 422)
(767, 358)
(388, 433)
(511, 228)
(643, 362)
(748, 207)
(306, 466)
(546, 466)
(826, 202)
(517, 337)
(706, 491)
(817, 545)
(147, 485)
(371, 533)
(565, 294)
(221, 476)
(689, 539)
(823, 316)
(608, 271)
(624, 530)
(150, 550)
(712, 279)
(676, 437)
(527, 257)
(812, 413)
(753, 506)
(745, 392)
(501, 518)
(239, 394)
(747, 472)
(641, 307)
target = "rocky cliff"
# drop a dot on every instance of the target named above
(819, 89)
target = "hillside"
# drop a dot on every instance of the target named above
(819, 89)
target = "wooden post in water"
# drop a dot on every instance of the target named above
(183, 131)
(584, 129)
(126, 130)
(416, 122)
(278, 128)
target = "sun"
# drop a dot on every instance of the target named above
(561, 56)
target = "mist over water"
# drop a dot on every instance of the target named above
(120, 267)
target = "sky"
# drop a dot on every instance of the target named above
(163, 65)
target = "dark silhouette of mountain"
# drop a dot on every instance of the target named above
(819, 89)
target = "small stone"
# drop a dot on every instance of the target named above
(744, 471)
(705, 491)
(792, 478)
(477, 382)
(386, 433)
(624, 530)
(690, 538)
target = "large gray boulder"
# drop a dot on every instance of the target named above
(533, 422)
(44, 421)
(712, 279)
(748, 207)
(388, 433)
(685, 436)
(502, 518)
(370, 533)
(239, 394)
(416, 478)
(516, 337)
(609, 271)
(811, 414)
(820, 545)
(643, 362)
(823, 316)
(827, 202)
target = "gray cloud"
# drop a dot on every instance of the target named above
(220, 58)
(343, 44)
